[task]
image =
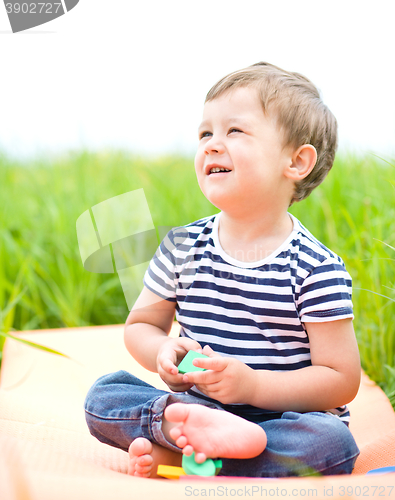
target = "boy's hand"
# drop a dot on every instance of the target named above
(227, 380)
(169, 357)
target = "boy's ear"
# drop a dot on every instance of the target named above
(303, 160)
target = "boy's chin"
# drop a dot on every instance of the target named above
(221, 200)
(220, 205)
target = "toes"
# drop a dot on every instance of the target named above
(175, 433)
(176, 412)
(187, 450)
(137, 474)
(141, 460)
(140, 446)
(143, 470)
(131, 467)
(200, 457)
(181, 442)
(144, 461)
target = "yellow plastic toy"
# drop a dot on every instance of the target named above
(170, 472)
(190, 467)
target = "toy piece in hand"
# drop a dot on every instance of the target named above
(208, 468)
(186, 364)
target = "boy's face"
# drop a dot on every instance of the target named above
(236, 135)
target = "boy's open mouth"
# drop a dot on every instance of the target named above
(217, 170)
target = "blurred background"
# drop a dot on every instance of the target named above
(107, 99)
(133, 75)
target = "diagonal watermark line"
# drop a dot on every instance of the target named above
(63, 5)
(118, 235)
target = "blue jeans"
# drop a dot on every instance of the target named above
(119, 408)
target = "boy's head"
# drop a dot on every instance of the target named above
(300, 115)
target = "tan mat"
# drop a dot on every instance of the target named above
(47, 453)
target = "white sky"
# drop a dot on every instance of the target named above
(134, 74)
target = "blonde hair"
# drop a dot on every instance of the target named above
(295, 103)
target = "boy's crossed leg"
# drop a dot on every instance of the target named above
(208, 432)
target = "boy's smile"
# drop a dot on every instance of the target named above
(215, 168)
(240, 159)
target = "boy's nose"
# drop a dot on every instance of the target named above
(214, 145)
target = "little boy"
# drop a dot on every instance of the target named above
(253, 290)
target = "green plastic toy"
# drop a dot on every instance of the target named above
(208, 468)
(186, 364)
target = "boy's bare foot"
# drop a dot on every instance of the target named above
(214, 433)
(144, 458)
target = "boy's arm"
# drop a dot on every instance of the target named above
(146, 338)
(331, 381)
(147, 327)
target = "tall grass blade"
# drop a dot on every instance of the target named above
(33, 344)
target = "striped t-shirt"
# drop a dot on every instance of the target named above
(253, 311)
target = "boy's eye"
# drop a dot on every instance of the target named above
(234, 130)
(204, 134)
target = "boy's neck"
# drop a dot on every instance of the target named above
(254, 237)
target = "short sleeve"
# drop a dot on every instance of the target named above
(326, 293)
(161, 276)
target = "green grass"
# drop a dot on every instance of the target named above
(44, 285)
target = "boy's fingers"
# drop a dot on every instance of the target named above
(207, 377)
(169, 367)
(209, 352)
(215, 363)
(189, 344)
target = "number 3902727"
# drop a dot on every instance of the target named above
(33, 8)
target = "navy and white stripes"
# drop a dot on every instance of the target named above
(254, 311)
